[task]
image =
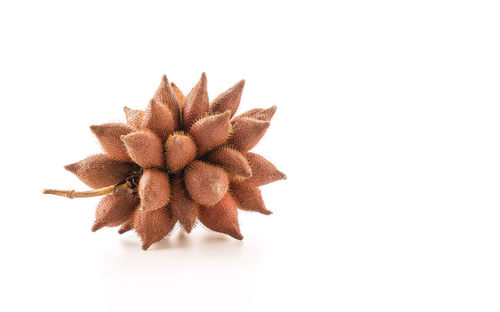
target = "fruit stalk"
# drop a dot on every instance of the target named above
(121, 188)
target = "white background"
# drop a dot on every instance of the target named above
(387, 127)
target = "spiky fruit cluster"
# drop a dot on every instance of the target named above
(185, 159)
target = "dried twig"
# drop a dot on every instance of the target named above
(123, 188)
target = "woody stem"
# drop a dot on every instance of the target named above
(122, 188)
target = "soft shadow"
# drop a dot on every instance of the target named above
(177, 253)
(181, 240)
(130, 242)
(212, 238)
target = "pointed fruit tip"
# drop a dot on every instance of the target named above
(95, 129)
(145, 246)
(237, 236)
(272, 109)
(203, 79)
(96, 227)
(71, 167)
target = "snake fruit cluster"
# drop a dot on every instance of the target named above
(183, 159)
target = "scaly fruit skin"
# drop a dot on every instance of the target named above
(187, 159)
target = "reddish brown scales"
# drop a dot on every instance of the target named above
(266, 114)
(247, 132)
(229, 100)
(174, 162)
(127, 225)
(263, 171)
(159, 119)
(133, 116)
(153, 225)
(114, 210)
(248, 198)
(211, 131)
(145, 149)
(154, 189)
(231, 160)
(109, 136)
(180, 150)
(165, 95)
(259, 114)
(195, 103)
(100, 170)
(249, 114)
(206, 183)
(178, 94)
(183, 207)
(222, 217)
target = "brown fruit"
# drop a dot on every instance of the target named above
(145, 149)
(109, 137)
(180, 150)
(181, 159)
(211, 131)
(247, 132)
(154, 189)
(206, 183)
(114, 210)
(231, 160)
(196, 103)
(228, 100)
(153, 225)
(183, 207)
(159, 119)
(100, 170)
(222, 217)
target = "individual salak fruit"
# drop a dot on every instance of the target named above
(182, 159)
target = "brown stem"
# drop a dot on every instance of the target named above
(123, 188)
